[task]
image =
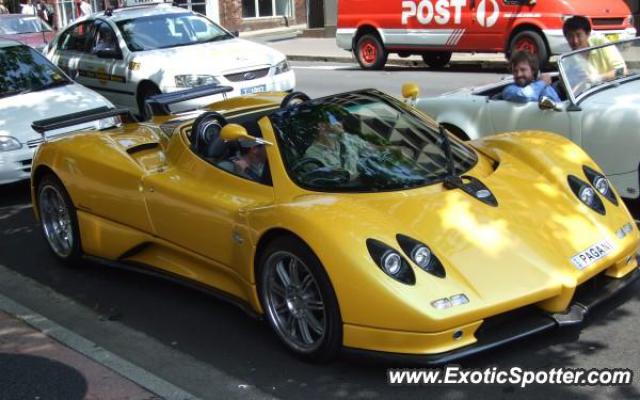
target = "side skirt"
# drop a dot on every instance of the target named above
(156, 272)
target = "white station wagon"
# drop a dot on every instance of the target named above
(600, 113)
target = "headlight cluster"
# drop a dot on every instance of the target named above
(281, 67)
(601, 184)
(8, 143)
(589, 192)
(391, 262)
(396, 265)
(191, 81)
(421, 255)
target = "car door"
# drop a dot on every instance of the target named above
(509, 116)
(200, 208)
(104, 65)
(71, 48)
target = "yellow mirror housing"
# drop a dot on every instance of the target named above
(232, 132)
(410, 90)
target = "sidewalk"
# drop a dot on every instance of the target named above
(298, 48)
(326, 50)
(35, 364)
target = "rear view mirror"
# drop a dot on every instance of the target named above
(546, 103)
(410, 92)
(233, 132)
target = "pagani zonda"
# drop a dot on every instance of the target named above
(350, 221)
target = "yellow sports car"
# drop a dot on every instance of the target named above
(349, 221)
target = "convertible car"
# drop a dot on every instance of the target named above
(599, 112)
(349, 221)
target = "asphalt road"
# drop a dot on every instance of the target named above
(213, 350)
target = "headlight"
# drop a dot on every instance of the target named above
(629, 20)
(600, 183)
(391, 262)
(190, 81)
(8, 143)
(586, 194)
(421, 255)
(281, 67)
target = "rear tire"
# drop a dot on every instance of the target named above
(298, 300)
(532, 42)
(436, 59)
(58, 219)
(370, 52)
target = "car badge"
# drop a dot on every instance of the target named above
(249, 76)
(483, 194)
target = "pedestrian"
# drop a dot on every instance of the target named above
(27, 8)
(3, 8)
(85, 8)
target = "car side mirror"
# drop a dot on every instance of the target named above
(107, 53)
(546, 103)
(410, 92)
(234, 132)
(236, 33)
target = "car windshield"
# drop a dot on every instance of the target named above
(600, 66)
(18, 25)
(25, 70)
(169, 30)
(363, 142)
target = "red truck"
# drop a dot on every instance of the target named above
(435, 29)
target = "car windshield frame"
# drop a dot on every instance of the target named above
(223, 34)
(43, 25)
(390, 152)
(592, 80)
(41, 75)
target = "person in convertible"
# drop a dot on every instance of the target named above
(525, 87)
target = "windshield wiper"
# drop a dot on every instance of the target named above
(51, 85)
(468, 184)
(14, 93)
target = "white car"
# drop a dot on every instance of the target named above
(31, 88)
(132, 53)
(601, 113)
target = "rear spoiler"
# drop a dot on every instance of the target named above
(64, 121)
(160, 103)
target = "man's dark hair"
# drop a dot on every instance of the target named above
(524, 56)
(576, 23)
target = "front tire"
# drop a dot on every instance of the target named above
(370, 52)
(59, 220)
(144, 93)
(299, 301)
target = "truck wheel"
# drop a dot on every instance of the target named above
(370, 52)
(436, 59)
(532, 42)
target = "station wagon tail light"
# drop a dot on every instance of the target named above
(281, 67)
(9, 143)
(191, 81)
(586, 194)
(600, 183)
(421, 255)
(391, 262)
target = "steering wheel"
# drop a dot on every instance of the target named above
(326, 176)
(201, 133)
(297, 167)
